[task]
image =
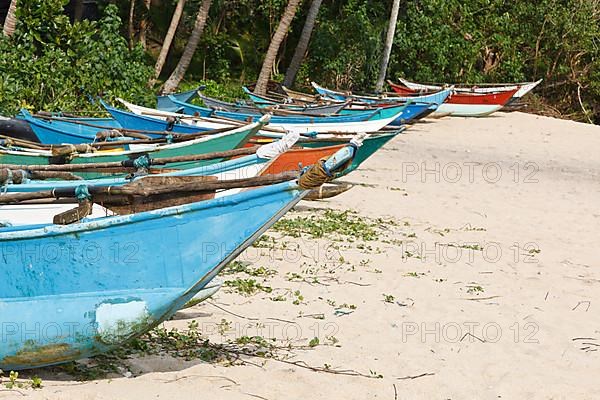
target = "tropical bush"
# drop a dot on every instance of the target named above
(51, 64)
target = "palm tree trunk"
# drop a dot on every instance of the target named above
(11, 20)
(131, 31)
(190, 48)
(280, 33)
(164, 51)
(144, 23)
(387, 48)
(302, 46)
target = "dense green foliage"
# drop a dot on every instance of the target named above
(436, 40)
(51, 64)
(504, 41)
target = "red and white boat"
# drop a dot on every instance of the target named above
(466, 104)
(523, 88)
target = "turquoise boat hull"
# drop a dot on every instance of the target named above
(73, 291)
(204, 170)
(164, 103)
(64, 131)
(410, 113)
(378, 119)
(209, 144)
(369, 147)
(130, 120)
(359, 116)
(435, 98)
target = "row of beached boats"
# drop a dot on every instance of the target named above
(110, 225)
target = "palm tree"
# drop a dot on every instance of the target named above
(144, 23)
(300, 52)
(284, 24)
(164, 51)
(131, 30)
(387, 48)
(11, 20)
(190, 48)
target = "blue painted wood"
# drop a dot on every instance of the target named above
(239, 107)
(133, 121)
(435, 98)
(104, 122)
(192, 109)
(72, 291)
(130, 120)
(164, 103)
(58, 131)
(258, 100)
(410, 112)
(203, 170)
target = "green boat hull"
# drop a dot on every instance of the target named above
(370, 145)
(216, 144)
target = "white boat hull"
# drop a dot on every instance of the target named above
(524, 88)
(466, 110)
(347, 127)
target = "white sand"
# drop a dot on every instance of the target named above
(524, 321)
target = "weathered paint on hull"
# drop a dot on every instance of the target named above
(368, 148)
(379, 119)
(238, 168)
(164, 103)
(216, 143)
(192, 109)
(295, 159)
(410, 112)
(67, 132)
(436, 98)
(69, 292)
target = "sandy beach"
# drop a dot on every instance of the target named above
(467, 267)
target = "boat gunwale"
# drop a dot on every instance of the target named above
(150, 149)
(49, 230)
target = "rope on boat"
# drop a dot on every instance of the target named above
(317, 174)
(7, 181)
(142, 162)
(69, 150)
(82, 193)
(16, 176)
(6, 142)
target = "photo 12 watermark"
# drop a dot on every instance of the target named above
(469, 331)
(469, 172)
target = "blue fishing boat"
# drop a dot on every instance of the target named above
(192, 109)
(302, 98)
(50, 131)
(435, 98)
(164, 103)
(411, 112)
(226, 168)
(308, 109)
(129, 120)
(246, 166)
(72, 291)
(259, 101)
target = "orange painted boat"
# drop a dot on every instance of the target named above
(294, 159)
(305, 156)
